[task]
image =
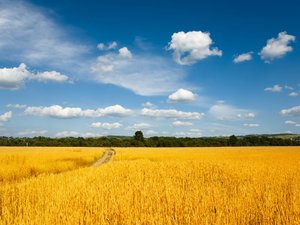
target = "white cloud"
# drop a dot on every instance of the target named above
(114, 110)
(16, 106)
(182, 95)
(289, 122)
(111, 45)
(106, 126)
(50, 76)
(140, 126)
(32, 132)
(277, 47)
(297, 125)
(125, 53)
(29, 36)
(76, 134)
(288, 87)
(171, 113)
(222, 111)
(150, 132)
(146, 75)
(6, 116)
(293, 94)
(54, 111)
(191, 47)
(243, 57)
(58, 111)
(181, 123)
(294, 111)
(148, 105)
(190, 133)
(251, 125)
(14, 78)
(101, 46)
(275, 88)
(67, 134)
(246, 115)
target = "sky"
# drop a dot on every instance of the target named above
(111, 67)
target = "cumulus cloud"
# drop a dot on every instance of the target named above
(289, 122)
(111, 45)
(293, 94)
(182, 95)
(16, 106)
(6, 116)
(178, 123)
(251, 125)
(50, 76)
(294, 111)
(277, 47)
(125, 53)
(32, 132)
(140, 126)
(171, 113)
(146, 75)
(222, 111)
(106, 126)
(190, 47)
(243, 57)
(275, 88)
(29, 35)
(58, 111)
(54, 111)
(14, 78)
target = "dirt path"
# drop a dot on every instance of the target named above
(106, 158)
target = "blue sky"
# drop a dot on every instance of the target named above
(192, 68)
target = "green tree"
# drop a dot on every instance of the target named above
(232, 140)
(139, 136)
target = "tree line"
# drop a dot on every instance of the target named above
(138, 140)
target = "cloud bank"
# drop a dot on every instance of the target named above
(171, 113)
(57, 111)
(14, 78)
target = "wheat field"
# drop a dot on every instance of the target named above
(241, 185)
(17, 163)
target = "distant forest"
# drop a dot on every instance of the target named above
(138, 140)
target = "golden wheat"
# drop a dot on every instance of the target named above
(165, 186)
(22, 162)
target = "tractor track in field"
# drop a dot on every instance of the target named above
(106, 158)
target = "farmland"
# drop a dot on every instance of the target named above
(241, 185)
(17, 163)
